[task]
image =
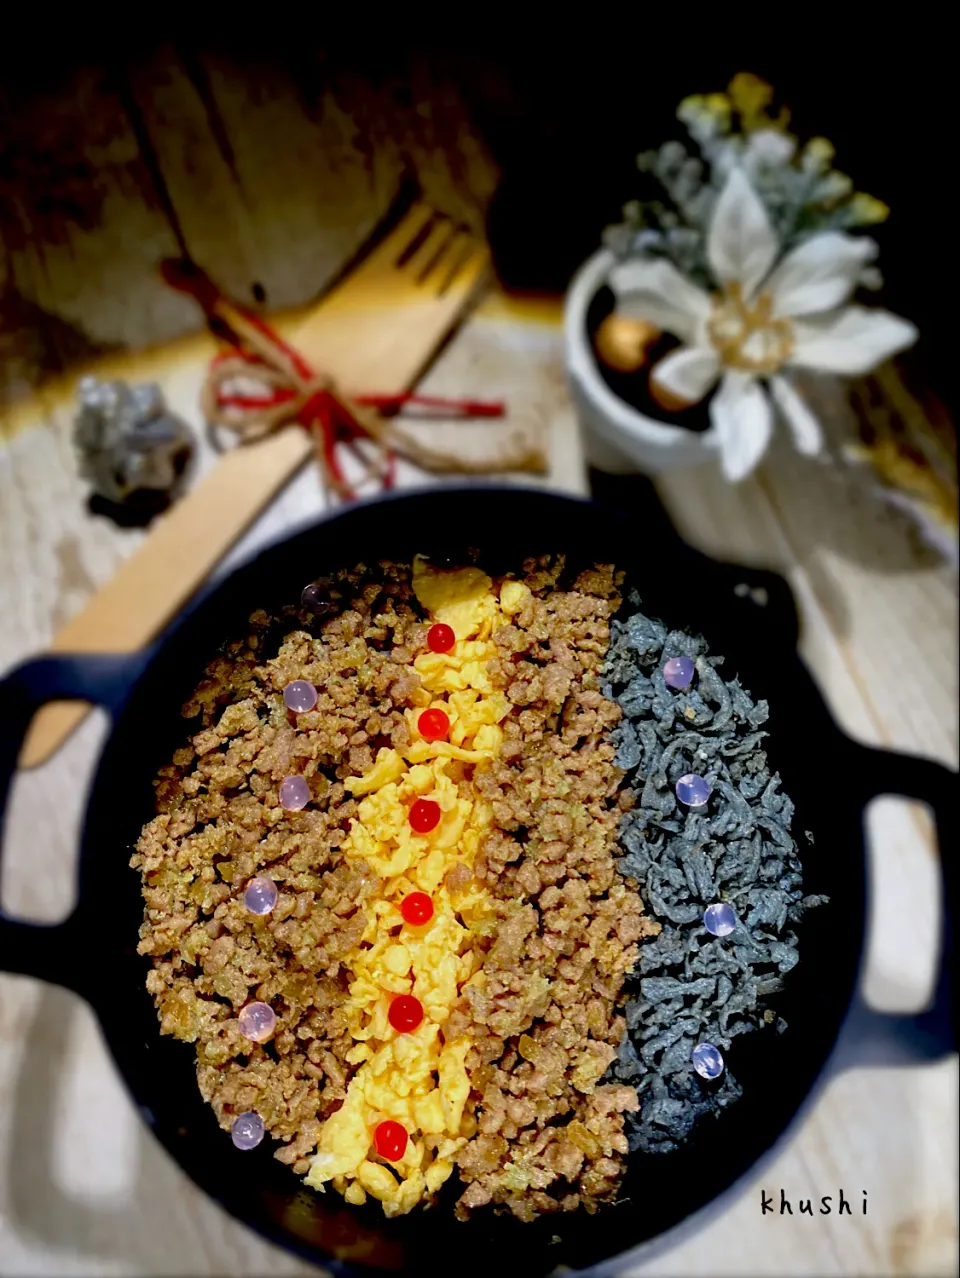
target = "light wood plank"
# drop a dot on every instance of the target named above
(903, 1162)
(879, 630)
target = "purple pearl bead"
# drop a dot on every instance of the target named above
(316, 599)
(294, 793)
(692, 790)
(720, 919)
(257, 1021)
(299, 696)
(260, 895)
(678, 672)
(707, 1060)
(247, 1130)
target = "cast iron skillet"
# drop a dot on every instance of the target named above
(830, 778)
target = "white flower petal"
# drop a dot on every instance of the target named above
(743, 421)
(819, 274)
(688, 373)
(855, 342)
(741, 243)
(804, 427)
(653, 289)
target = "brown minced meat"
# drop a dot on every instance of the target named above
(545, 1026)
(545, 1022)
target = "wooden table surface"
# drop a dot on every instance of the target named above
(84, 1188)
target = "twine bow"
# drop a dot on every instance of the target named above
(288, 389)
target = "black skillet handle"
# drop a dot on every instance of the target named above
(49, 951)
(871, 1037)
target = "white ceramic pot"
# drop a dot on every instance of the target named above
(617, 438)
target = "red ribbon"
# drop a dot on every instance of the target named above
(250, 339)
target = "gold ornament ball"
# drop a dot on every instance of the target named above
(621, 342)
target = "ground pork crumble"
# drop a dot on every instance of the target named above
(545, 1023)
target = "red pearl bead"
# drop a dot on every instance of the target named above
(433, 725)
(424, 816)
(390, 1140)
(405, 1014)
(417, 908)
(440, 638)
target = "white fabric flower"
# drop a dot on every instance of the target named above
(770, 316)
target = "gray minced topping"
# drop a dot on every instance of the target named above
(688, 986)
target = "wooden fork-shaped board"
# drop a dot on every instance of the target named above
(376, 331)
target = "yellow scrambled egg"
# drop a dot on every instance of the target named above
(418, 1079)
